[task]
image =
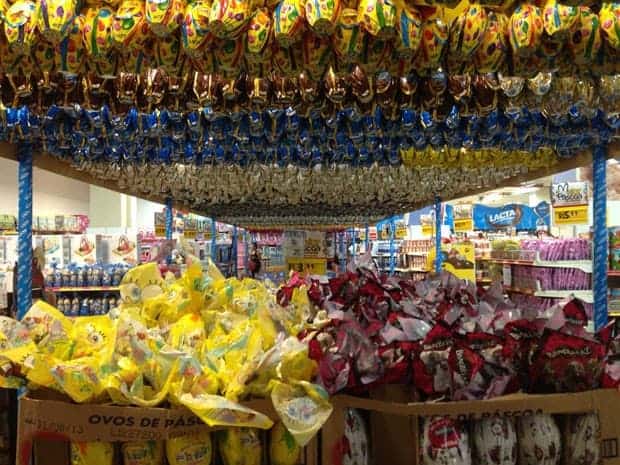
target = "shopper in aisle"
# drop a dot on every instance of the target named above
(255, 261)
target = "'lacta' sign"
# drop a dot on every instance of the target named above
(520, 217)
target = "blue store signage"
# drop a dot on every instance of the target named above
(518, 216)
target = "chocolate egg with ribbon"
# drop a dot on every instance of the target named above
(525, 29)
(229, 17)
(129, 26)
(348, 37)
(164, 16)
(585, 37)
(195, 28)
(71, 50)
(610, 23)
(409, 27)
(491, 55)
(288, 22)
(20, 25)
(321, 15)
(317, 54)
(377, 17)
(466, 32)
(98, 33)
(55, 18)
(258, 36)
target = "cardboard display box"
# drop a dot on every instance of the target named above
(394, 425)
(46, 425)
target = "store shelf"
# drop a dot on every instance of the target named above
(583, 265)
(519, 290)
(484, 280)
(587, 296)
(415, 254)
(613, 273)
(86, 289)
(410, 270)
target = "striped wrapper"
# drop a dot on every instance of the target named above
(24, 244)
(601, 238)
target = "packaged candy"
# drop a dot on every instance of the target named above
(435, 35)
(283, 450)
(491, 54)
(92, 453)
(495, 441)
(467, 31)
(431, 367)
(356, 434)
(377, 17)
(348, 37)
(288, 21)
(129, 26)
(164, 17)
(258, 36)
(526, 28)
(20, 23)
(585, 37)
(466, 372)
(195, 28)
(193, 449)
(55, 19)
(444, 442)
(322, 15)
(409, 27)
(539, 440)
(609, 17)
(581, 440)
(240, 446)
(566, 363)
(143, 453)
(228, 18)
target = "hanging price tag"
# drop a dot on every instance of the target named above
(307, 265)
(570, 215)
(401, 231)
(463, 225)
(427, 229)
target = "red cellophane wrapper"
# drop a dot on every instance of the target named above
(431, 370)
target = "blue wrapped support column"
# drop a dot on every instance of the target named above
(213, 239)
(392, 247)
(24, 244)
(343, 252)
(600, 234)
(234, 252)
(367, 240)
(169, 218)
(438, 222)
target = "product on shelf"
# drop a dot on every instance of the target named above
(533, 278)
(75, 276)
(614, 248)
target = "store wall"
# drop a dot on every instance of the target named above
(53, 194)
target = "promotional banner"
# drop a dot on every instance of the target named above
(463, 218)
(419, 217)
(517, 216)
(570, 203)
(459, 258)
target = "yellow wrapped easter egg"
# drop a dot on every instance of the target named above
(166, 54)
(44, 55)
(20, 25)
(609, 17)
(55, 19)
(466, 32)
(195, 28)
(491, 55)
(283, 450)
(164, 16)
(71, 50)
(409, 27)
(92, 453)
(193, 449)
(288, 22)
(585, 37)
(558, 18)
(321, 15)
(288, 60)
(377, 17)
(257, 40)
(129, 26)
(98, 32)
(348, 37)
(240, 446)
(228, 55)
(228, 18)
(525, 30)
(143, 453)
(434, 39)
(4, 7)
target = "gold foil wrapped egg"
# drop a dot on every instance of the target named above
(610, 23)
(20, 25)
(321, 15)
(525, 30)
(98, 32)
(288, 22)
(195, 28)
(348, 37)
(377, 17)
(409, 27)
(55, 18)
(491, 55)
(129, 26)
(585, 37)
(466, 32)
(229, 17)
(164, 16)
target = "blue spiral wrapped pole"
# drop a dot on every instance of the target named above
(213, 239)
(601, 237)
(438, 221)
(367, 245)
(169, 227)
(392, 247)
(353, 241)
(234, 251)
(343, 255)
(24, 239)
(246, 257)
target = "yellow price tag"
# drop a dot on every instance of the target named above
(160, 231)
(463, 225)
(427, 229)
(570, 215)
(190, 234)
(308, 265)
(401, 231)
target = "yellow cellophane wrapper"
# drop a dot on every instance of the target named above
(321, 15)
(92, 453)
(143, 453)
(55, 18)
(377, 17)
(610, 23)
(240, 446)
(288, 21)
(283, 449)
(20, 25)
(129, 26)
(164, 16)
(525, 29)
(258, 36)
(195, 28)
(228, 17)
(194, 449)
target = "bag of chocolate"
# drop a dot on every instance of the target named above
(445, 441)
(431, 369)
